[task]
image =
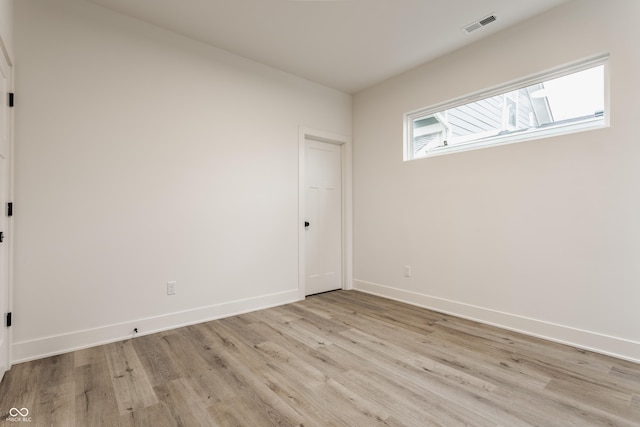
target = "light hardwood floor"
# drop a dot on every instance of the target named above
(343, 358)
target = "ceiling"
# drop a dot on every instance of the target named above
(344, 44)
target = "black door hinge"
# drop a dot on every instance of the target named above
(10, 209)
(8, 319)
(11, 104)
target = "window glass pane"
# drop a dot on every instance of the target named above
(557, 103)
(576, 95)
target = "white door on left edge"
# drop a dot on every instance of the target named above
(323, 217)
(5, 122)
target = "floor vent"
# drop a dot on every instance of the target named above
(479, 24)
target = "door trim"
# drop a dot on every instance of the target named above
(347, 217)
(10, 164)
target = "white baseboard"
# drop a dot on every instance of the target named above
(587, 340)
(24, 351)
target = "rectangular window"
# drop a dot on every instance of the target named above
(565, 100)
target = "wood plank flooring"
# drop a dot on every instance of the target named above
(343, 358)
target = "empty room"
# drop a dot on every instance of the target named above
(319, 213)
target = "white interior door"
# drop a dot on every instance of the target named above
(4, 185)
(323, 214)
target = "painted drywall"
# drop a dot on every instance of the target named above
(143, 157)
(6, 25)
(539, 236)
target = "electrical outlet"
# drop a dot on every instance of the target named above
(407, 271)
(171, 288)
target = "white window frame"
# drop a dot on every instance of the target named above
(528, 135)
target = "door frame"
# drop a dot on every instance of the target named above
(347, 205)
(9, 185)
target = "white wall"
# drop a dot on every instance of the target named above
(6, 25)
(541, 236)
(143, 157)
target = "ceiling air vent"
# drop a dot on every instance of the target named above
(479, 24)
